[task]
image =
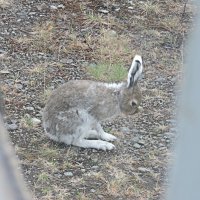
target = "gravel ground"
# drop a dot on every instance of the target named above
(47, 43)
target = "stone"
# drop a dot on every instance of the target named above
(130, 8)
(143, 169)
(12, 127)
(136, 145)
(125, 130)
(135, 139)
(61, 6)
(68, 174)
(103, 11)
(92, 190)
(30, 108)
(94, 167)
(19, 86)
(66, 61)
(4, 72)
(35, 121)
(141, 142)
(53, 7)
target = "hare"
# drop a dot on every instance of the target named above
(74, 111)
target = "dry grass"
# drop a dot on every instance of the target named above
(42, 38)
(93, 19)
(113, 52)
(113, 48)
(149, 8)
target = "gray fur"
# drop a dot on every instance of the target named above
(74, 111)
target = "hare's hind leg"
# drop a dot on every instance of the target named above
(83, 141)
(95, 144)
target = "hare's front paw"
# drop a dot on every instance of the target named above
(107, 137)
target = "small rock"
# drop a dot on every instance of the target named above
(68, 174)
(112, 33)
(4, 72)
(136, 145)
(32, 13)
(30, 108)
(143, 169)
(130, 8)
(117, 9)
(12, 127)
(100, 196)
(35, 121)
(66, 61)
(83, 170)
(142, 142)
(53, 7)
(61, 6)
(160, 80)
(95, 160)
(103, 11)
(94, 167)
(125, 130)
(92, 190)
(19, 86)
(135, 139)
(58, 175)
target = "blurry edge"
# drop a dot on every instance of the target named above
(12, 186)
(185, 175)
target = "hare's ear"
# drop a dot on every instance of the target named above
(135, 71)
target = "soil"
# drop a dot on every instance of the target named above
(43, 45)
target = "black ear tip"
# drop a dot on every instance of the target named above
(137, 61)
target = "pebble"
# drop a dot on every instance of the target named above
(30, 108)
(4, 72)
(141, 142)
(135, 139)
(19, 86)
(95, 167)
(136, 145)
(125, 130)
(113, 33)
(130, 8)
(95, 160)
(160, 79)
(53, 7)
(92, 190)
(100, 196)
(68, 174)
(35, 121)
(66, 61)
(12, 127)
(61, 6)
(103, 11)
(143, 169)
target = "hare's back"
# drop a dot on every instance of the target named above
(67, 96)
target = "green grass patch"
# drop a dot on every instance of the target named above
(110, 73)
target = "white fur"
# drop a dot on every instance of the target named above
(112, 85)
(97, 144)
(138, 73)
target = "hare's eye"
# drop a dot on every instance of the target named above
(133, 103)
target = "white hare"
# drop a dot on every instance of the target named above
(74, 111)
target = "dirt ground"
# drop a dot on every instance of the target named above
(46, 43)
